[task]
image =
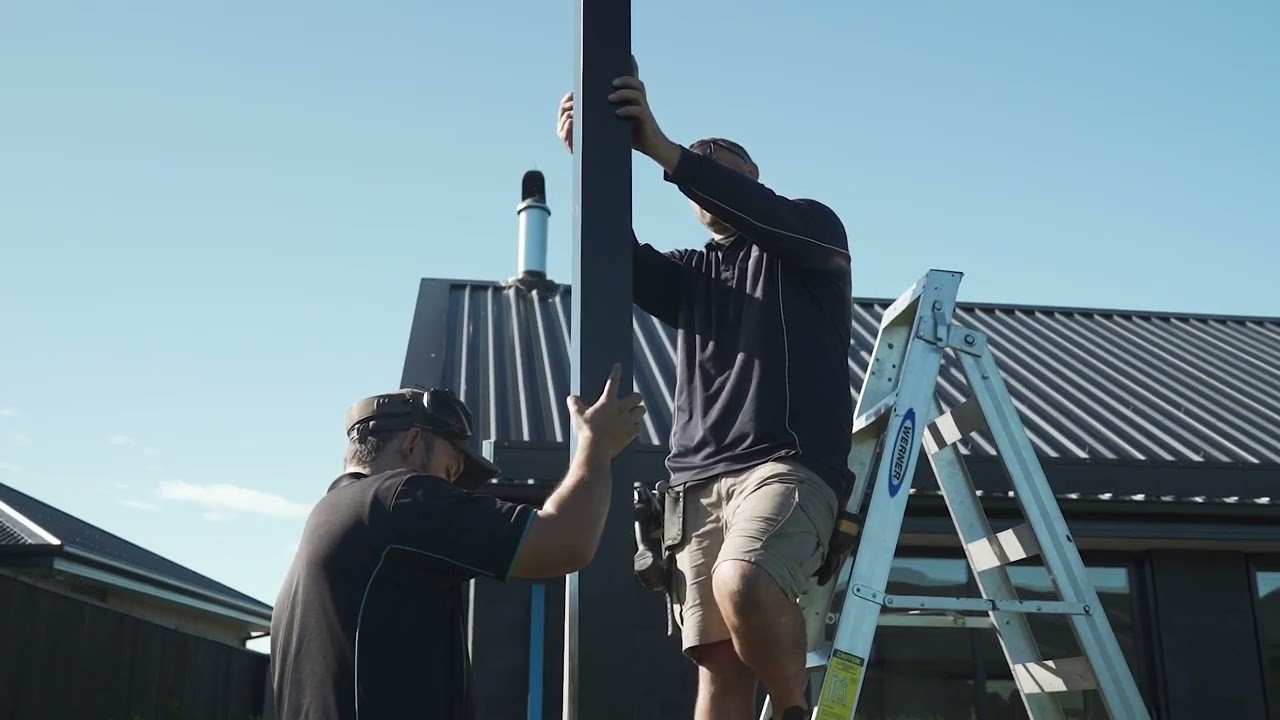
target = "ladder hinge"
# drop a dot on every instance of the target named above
(965, 340)
(941, 326)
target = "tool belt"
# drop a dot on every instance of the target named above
(659, 522)
(844, 538)
(658, 515)
(651, 563)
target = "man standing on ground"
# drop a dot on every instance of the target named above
(763, 413)
(369, 622)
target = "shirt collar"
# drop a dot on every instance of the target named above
(733, 240)
(346, 479)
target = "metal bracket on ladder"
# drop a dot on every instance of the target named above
(898, 413)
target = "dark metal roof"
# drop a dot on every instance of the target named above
(48, 528)
(1092, 386)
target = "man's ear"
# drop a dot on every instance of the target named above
(414, 441)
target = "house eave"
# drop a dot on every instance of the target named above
(90, 566)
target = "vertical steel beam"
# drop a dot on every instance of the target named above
(598, 613)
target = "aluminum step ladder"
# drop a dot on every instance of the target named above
(897, 413)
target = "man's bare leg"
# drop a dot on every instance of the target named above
(726, 686)
(767, 629)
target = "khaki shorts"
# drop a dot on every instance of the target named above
(778, 516)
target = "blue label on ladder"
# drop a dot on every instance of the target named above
(901, 457)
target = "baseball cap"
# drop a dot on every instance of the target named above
(436, 410)
(708, 146)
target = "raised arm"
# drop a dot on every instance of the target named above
(564, 534)
(802, 232)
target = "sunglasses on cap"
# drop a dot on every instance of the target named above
(708, 146)
(436, 410)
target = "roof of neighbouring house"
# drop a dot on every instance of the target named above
(1091, 385)
(32, 528)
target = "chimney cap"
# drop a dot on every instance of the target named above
(533, 186)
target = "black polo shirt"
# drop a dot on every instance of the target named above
(763, 324)
(369, 623)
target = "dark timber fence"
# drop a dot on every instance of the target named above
(64, 659)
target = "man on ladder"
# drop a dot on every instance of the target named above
(762, 411)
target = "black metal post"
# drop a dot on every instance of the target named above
(597, 680)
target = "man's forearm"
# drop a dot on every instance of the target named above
(580, 504)
(667, 155)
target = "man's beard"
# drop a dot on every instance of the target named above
(718, 227)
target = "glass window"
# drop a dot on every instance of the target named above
(916, 673)
(1266, 582)
(961, 674)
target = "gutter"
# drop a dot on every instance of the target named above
(168, 588)
(91, 566)
(87, 571)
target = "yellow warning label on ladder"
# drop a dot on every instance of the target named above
(840, 687)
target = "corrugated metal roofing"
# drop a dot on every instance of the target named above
(10, 535)
(1089, 384)
(75, 533)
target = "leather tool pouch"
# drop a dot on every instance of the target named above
(844, 536)
(659, 529)
(650, 563)
(672, 519)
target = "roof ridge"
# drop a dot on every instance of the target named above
(976, 305)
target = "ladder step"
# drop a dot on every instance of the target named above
(1054, 676)
(954, 425)
(1004, 548)
(817, 659)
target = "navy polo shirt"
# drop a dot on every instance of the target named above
(763, 325)
(369, 622)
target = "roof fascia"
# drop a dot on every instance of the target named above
(256, 620)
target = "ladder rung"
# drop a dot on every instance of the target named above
(954, 425)
(817, 659)
(1003, 548)
(1054, 676)
(877, 411)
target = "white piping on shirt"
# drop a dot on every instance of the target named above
(786, 355)
(771, 229)
(365, 598)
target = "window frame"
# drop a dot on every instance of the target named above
(1259, 563)
(1141, 600)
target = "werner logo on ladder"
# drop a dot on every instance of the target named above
(898, 412)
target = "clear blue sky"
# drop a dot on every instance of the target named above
(214, 216)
